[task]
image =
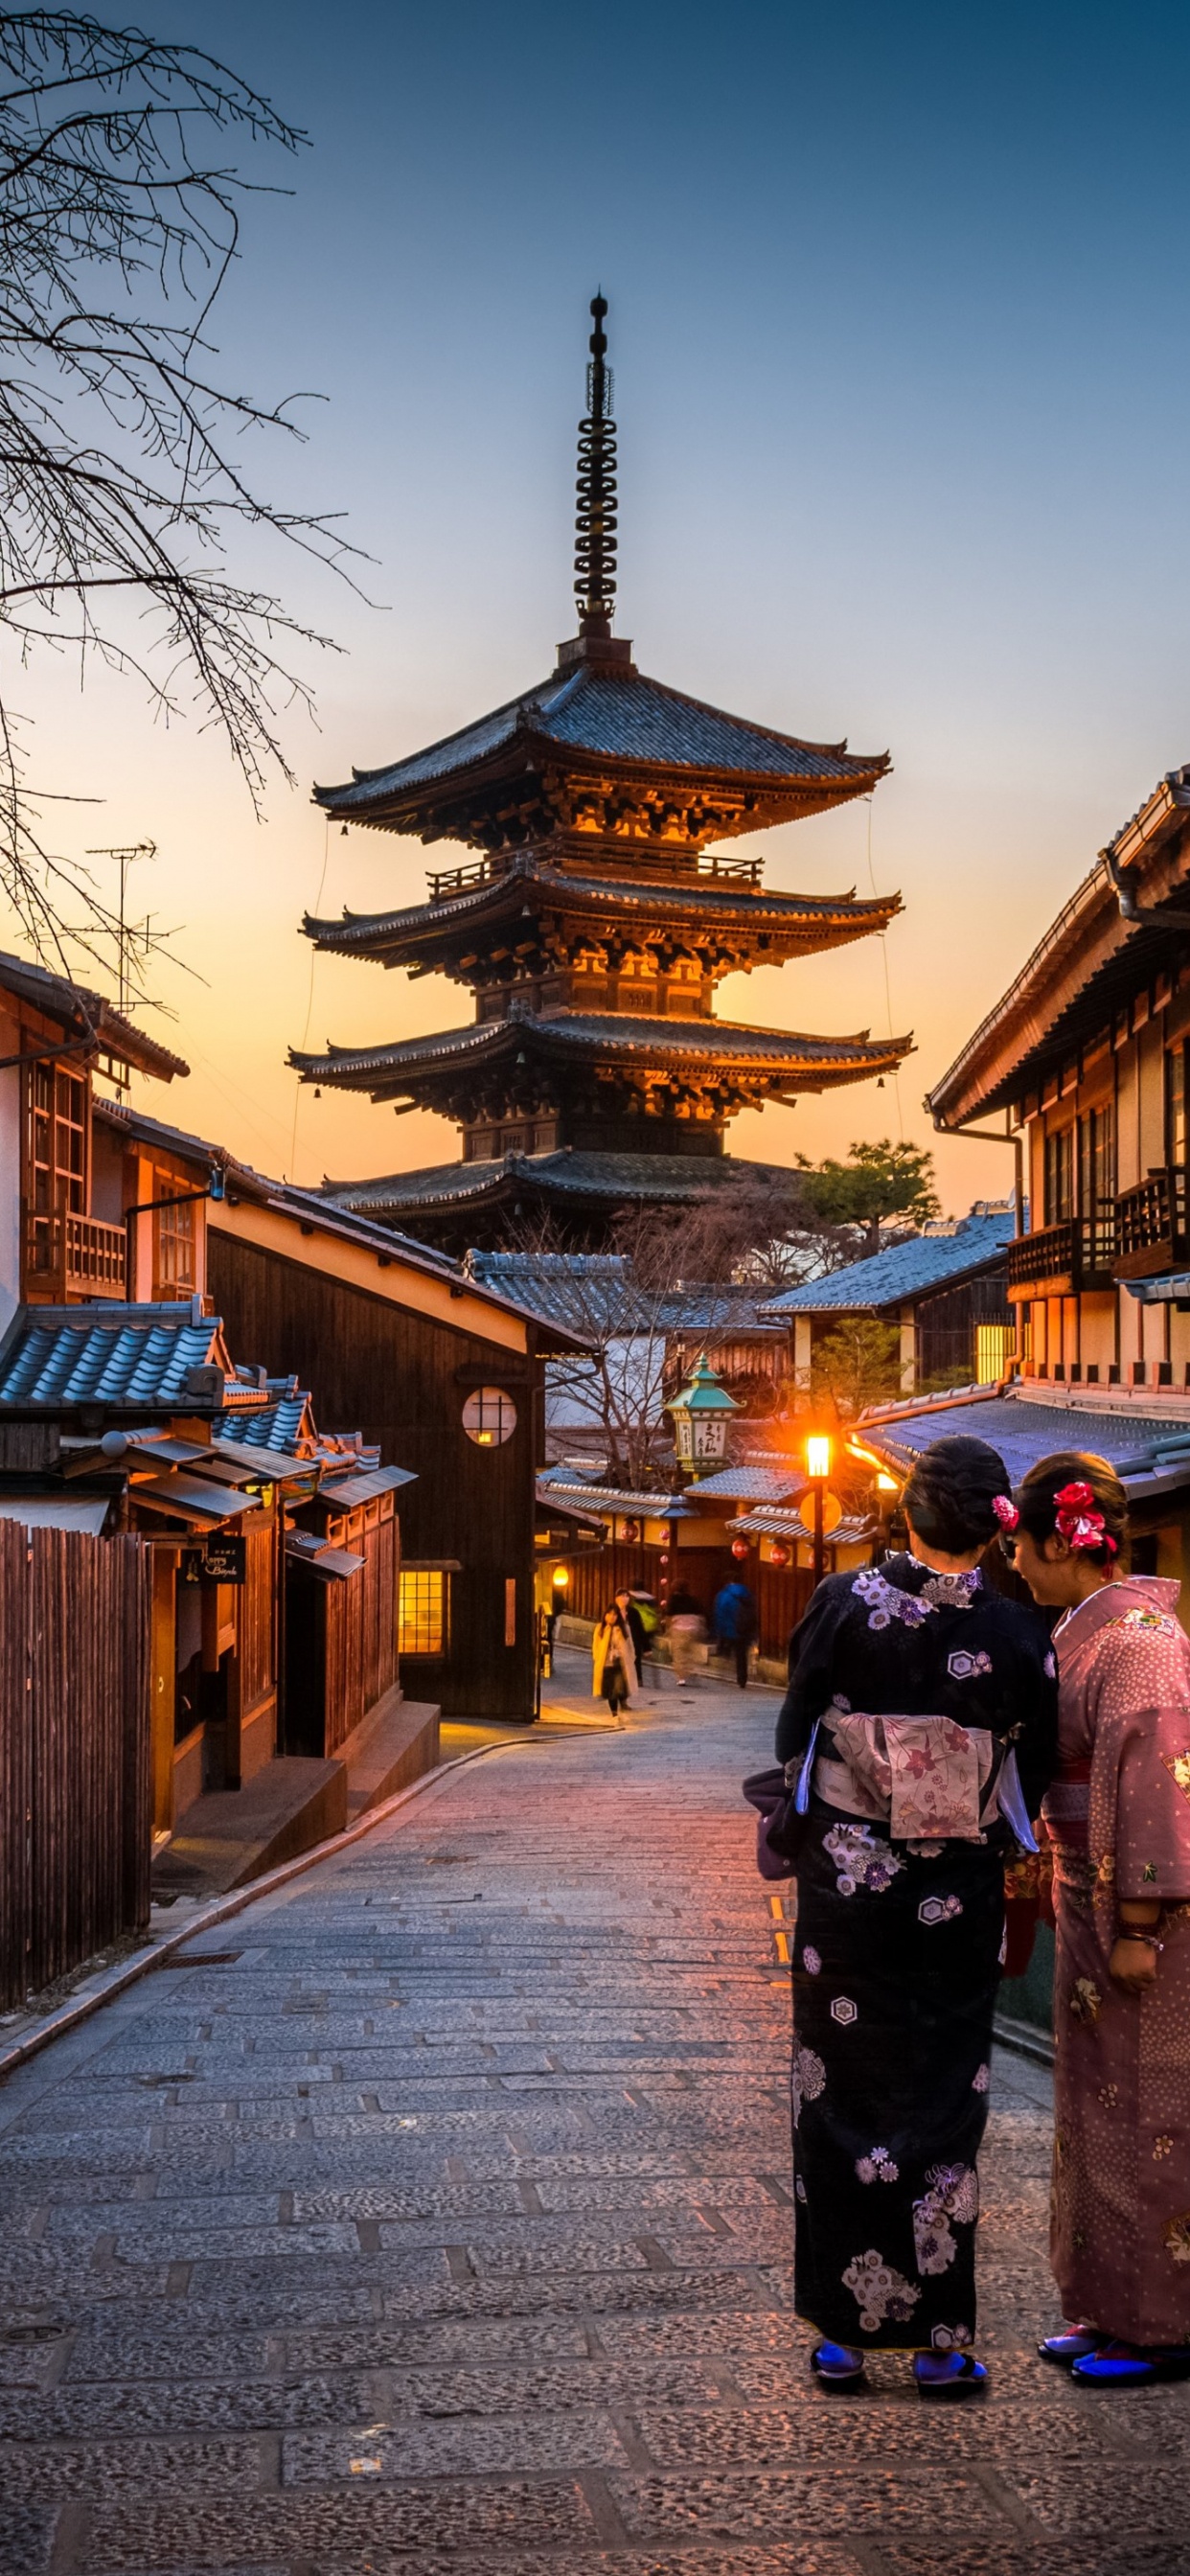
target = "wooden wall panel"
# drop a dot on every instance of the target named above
(393, 1374)
(75, 1760)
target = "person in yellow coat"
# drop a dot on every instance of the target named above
(613, 1660)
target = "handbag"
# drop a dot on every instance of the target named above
(782, 1800)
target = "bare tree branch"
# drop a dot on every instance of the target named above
(125, 463)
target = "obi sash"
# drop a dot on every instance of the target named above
(927, 1778)
(1067, 1802)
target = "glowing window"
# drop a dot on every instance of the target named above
(421, 1612)
(489, 1417)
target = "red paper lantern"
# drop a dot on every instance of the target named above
(739, 1547)
(631, 1533)
(778, 1553)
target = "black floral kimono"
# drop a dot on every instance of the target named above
(900, 1927)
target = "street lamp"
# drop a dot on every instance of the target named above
(701, 1411)
(818, 1467)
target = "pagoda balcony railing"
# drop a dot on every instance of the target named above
(1151, 1224)
(730, 871)
(1060, 1259)
(444, 882)
(69, 1256)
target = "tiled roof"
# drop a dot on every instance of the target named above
(558, 1482)
(770, 1523)
(748, 1485)
(604, 1033)
(927, 1260)
(661, 1178)
(1148, 1446)
(616, 712)
(586, 1290)
(278, 1425)
(710, 898)
(75, 1006)
(139, 1355)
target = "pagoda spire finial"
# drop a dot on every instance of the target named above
(595, 527)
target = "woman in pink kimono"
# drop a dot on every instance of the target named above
(1118, 1817)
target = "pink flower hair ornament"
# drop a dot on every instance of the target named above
(1079, 1519)
(1006, 1511)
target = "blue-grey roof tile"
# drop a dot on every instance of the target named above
(904, 1270)
(1023, 1432)
(621, 714)
(104, 1359)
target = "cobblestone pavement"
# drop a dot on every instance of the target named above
(435, 2216)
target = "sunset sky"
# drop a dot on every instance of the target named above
(899, 325)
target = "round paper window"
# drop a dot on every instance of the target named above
(489, 1417)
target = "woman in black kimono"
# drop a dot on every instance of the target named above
(920, 1728)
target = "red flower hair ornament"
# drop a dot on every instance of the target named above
(1079, 1519)
(1006, 1511)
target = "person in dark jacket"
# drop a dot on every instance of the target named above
(637, 1630)
(920, 1728)
(734, 1618)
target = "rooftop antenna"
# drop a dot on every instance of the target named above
(130, 939)
(595, 523)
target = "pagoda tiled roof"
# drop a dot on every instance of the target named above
(817, 1061)
(722, 901)
(613, 712)
(568, 1174)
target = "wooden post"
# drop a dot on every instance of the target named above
(163, 1660)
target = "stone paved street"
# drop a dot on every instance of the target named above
(434, 2216)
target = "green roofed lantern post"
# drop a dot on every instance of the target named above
(701, 1410)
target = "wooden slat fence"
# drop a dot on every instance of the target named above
(361, 1638)
(75, 1786)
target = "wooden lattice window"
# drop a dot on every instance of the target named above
(174, 1231)
(423, 1609)
(55, 1159)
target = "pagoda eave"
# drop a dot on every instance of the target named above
(733, 805)
(700, 911)
(702, 1051)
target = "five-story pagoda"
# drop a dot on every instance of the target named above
(593, 927)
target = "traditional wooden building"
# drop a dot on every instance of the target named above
(944, 1292)
(443, 1376)
(741, 1522)
(593, 926)
(62, 1238)
(1085, 1058)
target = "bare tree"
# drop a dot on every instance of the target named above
(125, 465)
(669, 1284)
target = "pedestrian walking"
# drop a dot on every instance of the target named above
(686, 1629)
(1118, 1819)
(734, 1615)
(920, 1726)
(613, 1660)
(634, 1623)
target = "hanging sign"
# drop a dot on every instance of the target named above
(225, 1559)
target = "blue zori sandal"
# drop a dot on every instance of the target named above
(1075, 2345)
(948, 2374)
(1126, 2365)
(837, 2365)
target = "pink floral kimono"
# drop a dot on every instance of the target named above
(1118, 1815)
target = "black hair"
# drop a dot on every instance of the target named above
(949, 1495)
(1036, 1504)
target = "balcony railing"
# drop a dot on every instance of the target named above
(1151, 1224)
(447, 881)
(729, 871)
(1080, 1253)
(73, 1256)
